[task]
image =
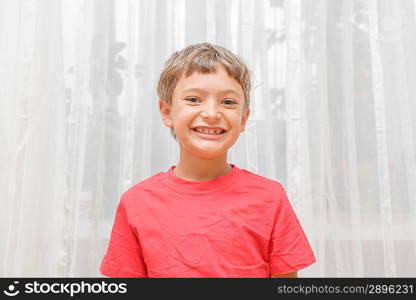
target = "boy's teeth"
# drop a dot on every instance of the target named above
(209, 131)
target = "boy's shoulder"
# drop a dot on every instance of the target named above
(150, 183)
(260, 180)
(244, 180)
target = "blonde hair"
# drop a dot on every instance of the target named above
(203, 58)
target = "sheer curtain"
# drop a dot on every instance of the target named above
(333, 120)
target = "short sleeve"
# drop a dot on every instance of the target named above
(124, 257)
(289, 249)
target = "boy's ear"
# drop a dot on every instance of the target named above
(165, 109)
(246, 114)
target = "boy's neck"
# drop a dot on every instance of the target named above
(193, 168)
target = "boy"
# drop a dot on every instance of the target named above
(205, 217)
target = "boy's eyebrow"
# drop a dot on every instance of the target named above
(205, 91)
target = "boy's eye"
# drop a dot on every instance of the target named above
(230, 102)
(192, 99)
(226, 101)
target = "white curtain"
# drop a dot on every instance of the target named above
(333, 120)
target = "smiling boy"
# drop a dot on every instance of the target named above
(205, 217)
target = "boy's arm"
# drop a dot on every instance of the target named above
(288, 275)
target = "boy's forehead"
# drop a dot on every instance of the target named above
(202, 90)
(219, 70)
(205, 82)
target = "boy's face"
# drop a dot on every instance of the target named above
(202, 104)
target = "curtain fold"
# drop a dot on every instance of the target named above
(333, 120)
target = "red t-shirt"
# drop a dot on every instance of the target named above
(237, 225)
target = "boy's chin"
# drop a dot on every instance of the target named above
(209, 153)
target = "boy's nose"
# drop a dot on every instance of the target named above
(211, 111)
(204, 114)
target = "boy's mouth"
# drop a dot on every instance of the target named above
(209, 130)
